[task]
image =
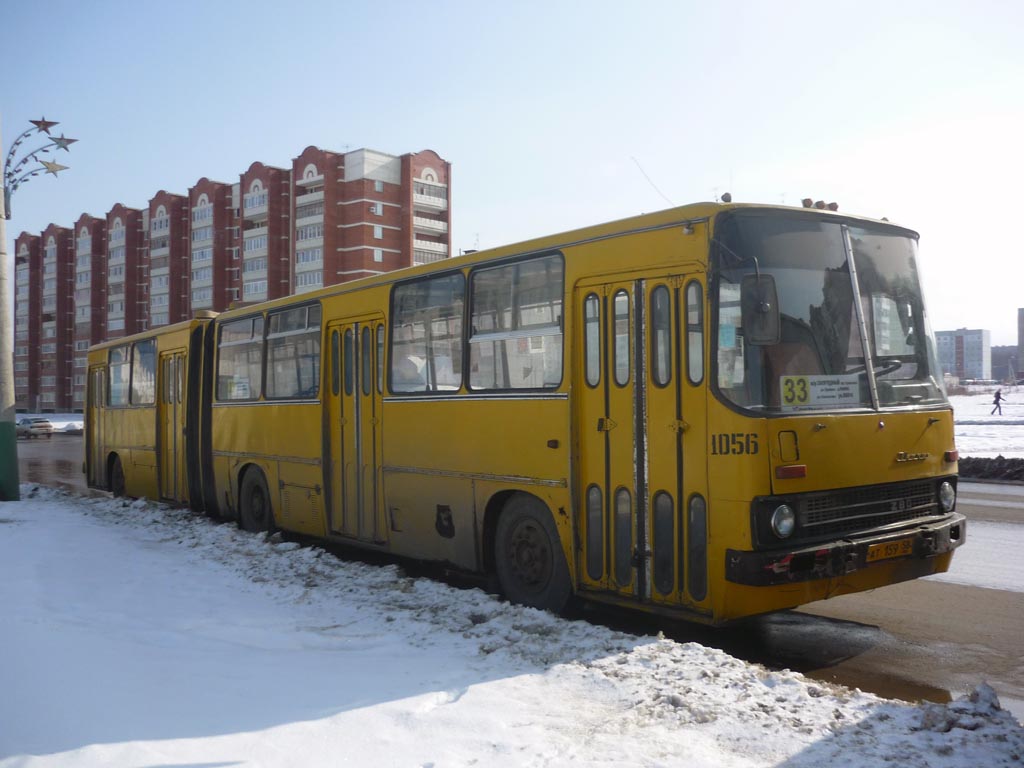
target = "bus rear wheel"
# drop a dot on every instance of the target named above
(255, 512)
(117, 477)
(528, 556)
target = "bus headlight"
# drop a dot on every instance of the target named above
(947, 496)
(783, 521)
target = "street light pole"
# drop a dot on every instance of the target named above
(16, 173)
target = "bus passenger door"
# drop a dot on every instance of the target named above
(171, 425)
(354, 429)
(610, 520)
(635, 419)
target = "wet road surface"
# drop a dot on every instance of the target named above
(921, 640)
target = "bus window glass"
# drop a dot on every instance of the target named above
(367, 361)
(144, 372)
(592, 339)
(335, 363)
(380, 359)
(820, 361)
(661, 336)
(516, 325)
(348, 362)
(695, 333)
(120, 376)
(621, 349)
(166, 393)
(293, 353)
(240, 360)
(426, 336)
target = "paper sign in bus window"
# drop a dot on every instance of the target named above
(820, 391)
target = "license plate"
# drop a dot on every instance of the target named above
(888, 549)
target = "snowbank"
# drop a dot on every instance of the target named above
(144, 635)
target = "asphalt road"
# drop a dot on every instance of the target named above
(921, 640)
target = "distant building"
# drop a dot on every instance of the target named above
(965, 353)
(1004, 363)
(328, 218)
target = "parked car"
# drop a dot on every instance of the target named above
(35, 427)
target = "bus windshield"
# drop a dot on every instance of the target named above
(847, 336)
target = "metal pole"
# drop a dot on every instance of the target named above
(8, 432)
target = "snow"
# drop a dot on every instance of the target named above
(141, 635)
(993, 558)
(978, 433)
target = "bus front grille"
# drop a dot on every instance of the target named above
(858, 509)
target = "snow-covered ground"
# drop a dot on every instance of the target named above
(980, 433)
(140, 635)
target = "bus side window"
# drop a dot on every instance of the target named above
(694, 332)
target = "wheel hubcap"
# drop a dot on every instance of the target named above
(530, 556)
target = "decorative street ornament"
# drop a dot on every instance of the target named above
(53, 168)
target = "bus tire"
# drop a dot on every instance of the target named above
(255, 511)
(528, 556)
(117, 477)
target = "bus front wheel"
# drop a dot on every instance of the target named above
(256, 514)
(528, 556)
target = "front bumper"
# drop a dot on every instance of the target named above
(838, 558)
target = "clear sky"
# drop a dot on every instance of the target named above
(555, 114)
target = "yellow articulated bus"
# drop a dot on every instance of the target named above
(712, 411)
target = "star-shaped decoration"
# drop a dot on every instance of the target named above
(43, 125)
(53, 168)
(63, 143)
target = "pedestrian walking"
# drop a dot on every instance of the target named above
(997, 401)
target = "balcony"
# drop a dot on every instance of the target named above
(429, 226)
(429, 202)
(430, 247)
(309, 197)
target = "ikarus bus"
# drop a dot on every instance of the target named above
(710, 412)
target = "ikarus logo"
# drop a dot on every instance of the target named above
(903, 457)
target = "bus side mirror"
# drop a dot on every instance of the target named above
(759, 304)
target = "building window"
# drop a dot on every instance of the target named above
(309, 256)
(255, 288)
(378, 186)
(306, 279)
(309, 232)
(378, 232)
(202, 254)
(258, 243)
(201, 274)
(255, 265)
(202, 295)
(202, 212)
(310, 209)
(377, 209)
(378, 255)
(202, 233)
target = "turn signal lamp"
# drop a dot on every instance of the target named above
(952, 456)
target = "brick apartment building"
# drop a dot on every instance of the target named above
(329, 218)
